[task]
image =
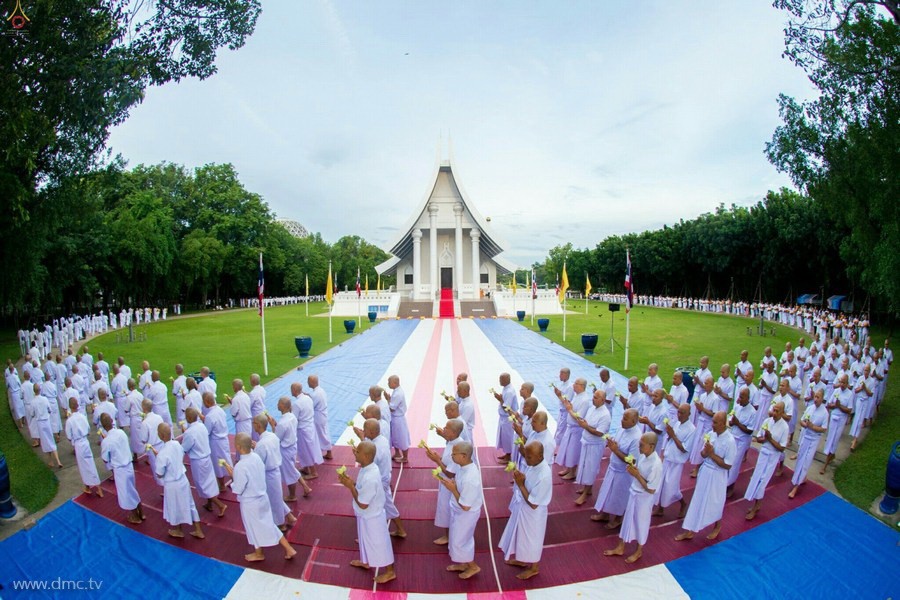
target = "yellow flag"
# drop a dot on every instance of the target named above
(564, 285)
(367, 285)
(514, 288)
(329, 290)
(378, 283)
(587, 285)
(307, 286)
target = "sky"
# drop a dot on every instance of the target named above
(569, 121)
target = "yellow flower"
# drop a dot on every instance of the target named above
(350, 423)
(432, 427)
(629, 459)
(707, 437)
(519, 442)
(765, 426)
(342, 470)
(576, 415)
(512, 419)
(510, 467)
(665, 420)
(436, 472)
(422, 444)
(222, 462)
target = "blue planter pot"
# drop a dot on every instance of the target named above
(520, 314)
(543, 323)
(7, 508)
(372, 316)
(304, 345)
(588, 342)
(350, 325)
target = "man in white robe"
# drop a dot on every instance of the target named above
(40, 416)
(612, 498)
(115, 453)
(677, 396)
(179, 391)
(320, 410)
(257, 397)
(309, 454)
(14, 392)
(48, 391)
(773, 439)
(119, 389)
(399, 427)
(813, 424)
(195, 443)
(240, 412)
(368, 506)
(647, 474)
(564, 387)
(594, 426)
(741, 420)
(708, 502)
(286, 432)
(541, 434)
(507, 401)
(159, 395)
(707, 404)
(207, 383)
(150, 437)
(452, 434)
(679, 438)
(249, 485)
(569, 452)
(178, 502)
(268, 448)
(653, 419)
(217, 426)
(527, 524)
(372, 431)
(77, 430)
(864, 394)
(135, 410)
(465, 509)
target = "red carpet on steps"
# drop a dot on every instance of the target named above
(446, 304)
(325, 532)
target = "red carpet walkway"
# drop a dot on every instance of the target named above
(326, 530)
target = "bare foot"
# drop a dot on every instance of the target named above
(308, 477)
(683, 511)
(385, 577)
(694, 474)
(751, 514)
(222, 510)
(794, 457)
(442, 541)
(291, 499)
(134, 520)
(327, 455)
(516, 563)
(613, 523)
(637, 554)
(359, 564)
(685, 535)
(657, 512)
(614, 552)
(176, 533)
(456, 567)
(470, 572)
(398, 534)
(793, 492)
(599, 517)
(253, 557)
(714, 533)
(290, 555)
(528, 573)
(99, 491)
(569, 477)
(198, 534)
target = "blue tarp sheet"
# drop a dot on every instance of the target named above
(72, 545)
(346, 371)
(826, 548)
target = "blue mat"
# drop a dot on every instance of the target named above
(346, 371)
(826, 548)
(72, 545)
(517, 345)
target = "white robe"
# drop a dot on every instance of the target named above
(178, 502)
(309, 453)
(320, 408)
(269, 450)
(442, 508)
(768, 459)
(286, 431)
(592, 446)
(809, 441)
(613, 495)
(463, 522)
(115, 452)
(525, 530)
(371, 524)
(196, 445)
(249, 485)
(636, 521)
(669, 490)
(399, 426)
(218, 439)
(708, 502)
(77, 430)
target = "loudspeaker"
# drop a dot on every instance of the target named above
(613, 307)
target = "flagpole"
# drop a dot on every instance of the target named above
(564, 318)
(627, 332)
(262, 314)
(514, 292)
(328, 299)
(307, 294)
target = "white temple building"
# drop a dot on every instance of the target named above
(447, 261)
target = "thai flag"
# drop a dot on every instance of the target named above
(358, 289)
(557, 284)
(533, 285)
(262, 285)
(629, 291)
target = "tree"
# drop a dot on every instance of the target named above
(77, 71)
(843, 148)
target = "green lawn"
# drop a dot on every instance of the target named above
(229, 343)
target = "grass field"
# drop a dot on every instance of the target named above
(229, 343)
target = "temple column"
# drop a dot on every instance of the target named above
(457, 249)
(476, 262)
(417, 262)
(432, 247)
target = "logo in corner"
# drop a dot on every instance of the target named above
(18, 19)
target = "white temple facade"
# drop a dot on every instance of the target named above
(446, 245)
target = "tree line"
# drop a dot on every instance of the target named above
(160, 234)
